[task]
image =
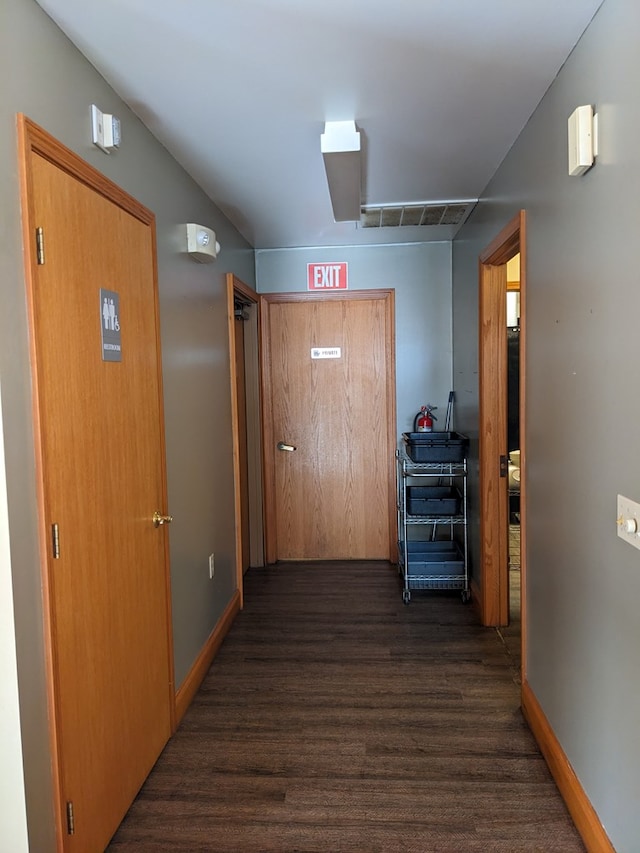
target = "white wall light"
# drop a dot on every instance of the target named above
(340, 147)
(583, 139)
(202, 245)
(106, 130)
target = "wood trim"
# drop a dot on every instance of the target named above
(330, 296)
(506, 244)
(195, 676)
(387, 294)
(254, 436)
(25, 149)
(268, 471)
(584, 815)
(523, 444)
(235, 429)
(42, 143)
(492, 404)
(493, 444)
(235, 285)
(254, 426)
(243, 289)
(392, 425)
(163, 462)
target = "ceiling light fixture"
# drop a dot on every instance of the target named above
(340, 147)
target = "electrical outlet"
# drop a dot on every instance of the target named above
(628, 521)
(212, 566)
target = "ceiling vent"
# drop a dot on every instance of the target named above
(423, 213)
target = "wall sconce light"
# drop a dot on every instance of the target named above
(202, 245)
(583, 139)
(340, 147)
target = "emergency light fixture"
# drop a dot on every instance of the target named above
(202, 245)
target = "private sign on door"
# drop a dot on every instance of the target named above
(327, 276)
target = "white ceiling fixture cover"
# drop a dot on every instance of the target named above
(340, 146)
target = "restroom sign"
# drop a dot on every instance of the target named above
(110, 325)
(327, 276)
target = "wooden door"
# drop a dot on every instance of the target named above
(494, 500)
(241, 407)
(245, 426)
(101, 455)
(494, 530)
(329, 374)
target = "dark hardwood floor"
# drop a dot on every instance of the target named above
(335, 718)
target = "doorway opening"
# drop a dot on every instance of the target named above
(499, 502)
(513, 433)
(243, 318)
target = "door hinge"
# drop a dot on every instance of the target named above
(70, 819)
(504, 466)
(40, 245)
(55, 541)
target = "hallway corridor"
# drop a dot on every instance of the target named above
(335, 718)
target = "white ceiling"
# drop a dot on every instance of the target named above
(239, 90)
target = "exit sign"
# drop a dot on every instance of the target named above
(327, 276)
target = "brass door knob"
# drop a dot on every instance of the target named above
(159, 519)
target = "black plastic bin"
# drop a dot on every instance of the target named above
(436, 446)
(433, 500)
(433, 559)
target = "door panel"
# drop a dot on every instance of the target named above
(246, 426)
(102, 466)
(241, 403)
(493, 391)
(494, 505)
(332, 497)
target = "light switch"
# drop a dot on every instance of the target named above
(628, 521)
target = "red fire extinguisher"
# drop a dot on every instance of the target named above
(424, 419)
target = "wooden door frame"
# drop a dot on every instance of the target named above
(494, 597)
(236, 287)
(34, 140)
(266, 300)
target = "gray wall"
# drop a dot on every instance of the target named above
(420, 274)
(583, 407)
(13, 814)
(45, 77)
